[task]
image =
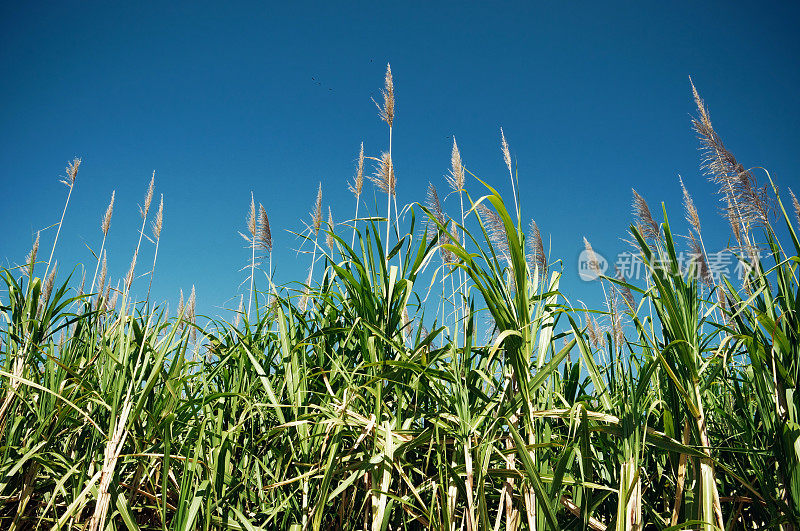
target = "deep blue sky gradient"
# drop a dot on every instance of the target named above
(224, 98)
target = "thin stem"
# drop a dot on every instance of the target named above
(355, 221)
(270, 272)
(153, 271)
(396, 216)
(455, 308)
(390, 171)
(53, 250)
(514, 192)
(461, 272)
(313, 261)
(97, 267)
(136, 253)
(252, 274)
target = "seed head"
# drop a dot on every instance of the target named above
(495, 229)
(71, 172)
(48, 284)
(30, 259)
(691, 211)
(435, 207)
(106, 298)
(329, 235)
(454, 231)
(129, 275)
(616, 316)
(698, 261)
(264, 232)
(106, 223)
(746, 203)
(386, 111)
(103, 272)
(537, 257)
(83, 283)
(456, 176)
(796, 205)
(723, 305)
(190, 310)
(505, 150)
(358, 183)
(251, 221)
(384, 177)
(157, 224)
(112, 301)
(747, 285)
(625, 291)
(190, 305)
(592, 330)
(316, 215)
(47, 289)
(644, 220)
(148, 198)
(306, 292)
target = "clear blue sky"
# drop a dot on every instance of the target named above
(224, 98)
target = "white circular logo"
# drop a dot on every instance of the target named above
(591, 265)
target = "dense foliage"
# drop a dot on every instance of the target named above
(441, 383)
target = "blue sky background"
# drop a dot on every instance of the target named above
(224, 98)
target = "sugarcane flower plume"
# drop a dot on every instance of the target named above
(251, 220)
(699, 262)
(691, 211)
(358, 183)
(148, 198)
(190, 306)
(537, 257)
(644, 220)
(106, 223)
(796, 206)
(329, 235)
(159, 221)
(316, 216)
(386, 111)
(617, 332)
(30, 259)
(83, 283)
(103, 272)
(624, 290)
(435, 207)
(745, 202)
(384, 177)
(129, 276)
(455, 178)
(47, 289)
(71, 172)
(495, 229)
(264, 231)
(593, 331)
(190, 313)
(505, 150)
